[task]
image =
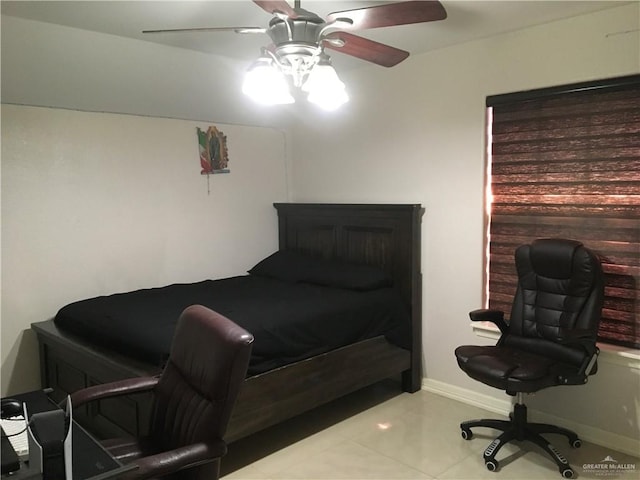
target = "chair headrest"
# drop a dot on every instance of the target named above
(553, 257)
(207, 347)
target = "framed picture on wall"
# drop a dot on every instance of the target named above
(214, 155)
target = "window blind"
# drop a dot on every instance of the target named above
(565, 162)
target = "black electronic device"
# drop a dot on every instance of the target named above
(89, 461)
(50, 449)
(11, 408)
(48, 429)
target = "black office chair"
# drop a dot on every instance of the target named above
(194, 398)
(550, 340)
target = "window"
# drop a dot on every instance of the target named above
(565, 162)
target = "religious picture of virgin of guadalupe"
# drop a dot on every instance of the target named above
(214, 156)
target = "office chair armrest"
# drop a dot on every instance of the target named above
(582, 338)
(582, 375)
(180, 458)
(113, 389)
(494, 316)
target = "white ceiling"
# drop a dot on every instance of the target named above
(467, 20)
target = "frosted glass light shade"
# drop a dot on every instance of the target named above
(325, 88)
(266, 84)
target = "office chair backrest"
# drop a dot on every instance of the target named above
(559, 298)
(199, 385)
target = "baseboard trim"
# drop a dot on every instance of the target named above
(598, 436)
(464, 395)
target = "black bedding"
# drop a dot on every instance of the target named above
(289, 320)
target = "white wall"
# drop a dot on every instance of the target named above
(416, 133)
(96, 203)
(51, 65)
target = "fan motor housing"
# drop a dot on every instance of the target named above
(298, 30)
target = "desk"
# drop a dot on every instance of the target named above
(90, 459)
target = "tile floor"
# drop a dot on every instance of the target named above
(382, 433)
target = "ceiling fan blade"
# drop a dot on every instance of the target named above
(401, 13)
(210, 29)
(274, 6)
(365, 49)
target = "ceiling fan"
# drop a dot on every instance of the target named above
(300, 37)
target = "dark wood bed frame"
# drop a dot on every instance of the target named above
(383, 235)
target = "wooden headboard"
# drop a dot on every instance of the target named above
(385, 235)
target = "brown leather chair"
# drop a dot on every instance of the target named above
(193, 400)
(550, 340)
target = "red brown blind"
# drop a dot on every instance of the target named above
(565, 162)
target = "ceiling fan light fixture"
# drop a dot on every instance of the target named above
(296, 55)
(329, 100)
(324, 87)
(265, 83)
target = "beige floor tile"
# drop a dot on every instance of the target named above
(349, 461)
(515, 464)
(429, 443)
(524, 461)
(598, 462)
(271, 451)
(381, 432)
(376, 417)
(250, 472)
(314, 446)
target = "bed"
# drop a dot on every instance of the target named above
(383, 238)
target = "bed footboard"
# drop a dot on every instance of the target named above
(275, 396)
(69, 364)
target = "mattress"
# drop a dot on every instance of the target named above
(290, 321)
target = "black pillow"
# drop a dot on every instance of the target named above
(296, 267)
(282, 265)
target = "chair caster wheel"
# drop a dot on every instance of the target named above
(577, 443)
(492, 465)
(566, 473)
(467, 434)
